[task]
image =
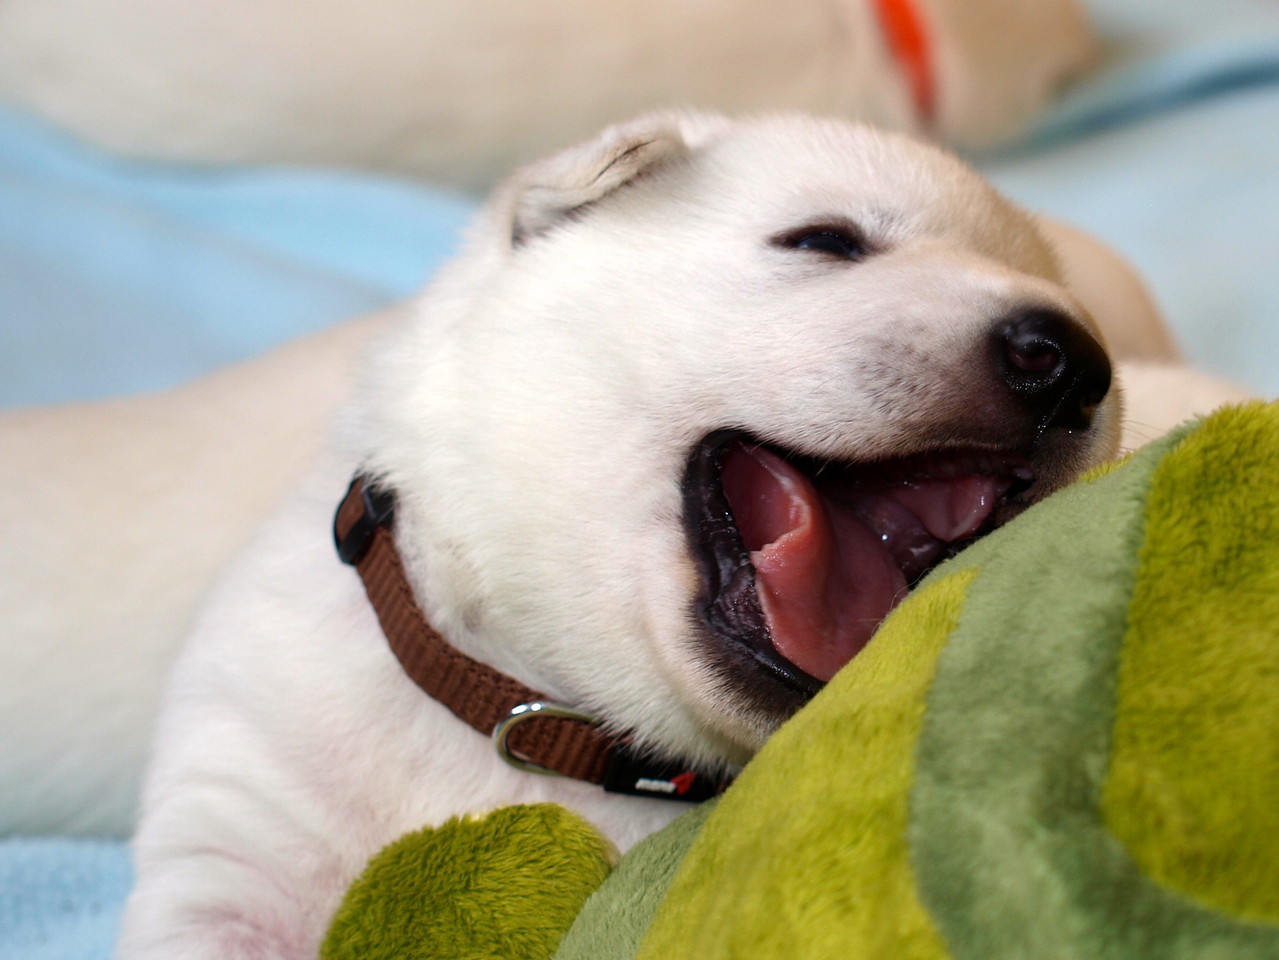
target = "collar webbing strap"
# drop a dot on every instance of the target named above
(531, 731)
(906, 33)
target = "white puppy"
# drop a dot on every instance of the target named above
(696, 405)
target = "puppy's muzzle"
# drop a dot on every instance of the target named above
(1055, 369)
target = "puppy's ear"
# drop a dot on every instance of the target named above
(539, 196)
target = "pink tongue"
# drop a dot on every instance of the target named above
(828, 571)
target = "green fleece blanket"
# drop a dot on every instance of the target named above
(1064, 745)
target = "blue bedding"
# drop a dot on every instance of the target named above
(60, 898)
(118, 277)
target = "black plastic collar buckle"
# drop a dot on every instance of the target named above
(379, 510)
(660, 779)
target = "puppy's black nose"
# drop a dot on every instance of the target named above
(1054, 367)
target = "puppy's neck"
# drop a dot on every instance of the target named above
(529, 730)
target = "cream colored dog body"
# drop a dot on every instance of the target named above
(616, 304)
(118, 516)
(459, 93)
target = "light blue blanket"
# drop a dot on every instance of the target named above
(119, 277)
(60, 898)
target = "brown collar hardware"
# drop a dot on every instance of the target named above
(529, 730)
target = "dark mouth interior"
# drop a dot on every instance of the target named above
(801, 559)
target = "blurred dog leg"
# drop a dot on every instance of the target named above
(1161, 395)
(1110, 289)
(117, 516)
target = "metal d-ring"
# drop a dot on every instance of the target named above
(528, 711)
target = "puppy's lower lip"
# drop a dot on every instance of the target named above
(807, 558)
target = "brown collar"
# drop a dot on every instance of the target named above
(529, 730)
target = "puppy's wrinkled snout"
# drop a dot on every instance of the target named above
(1054, 367)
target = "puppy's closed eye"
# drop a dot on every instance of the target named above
(839, 240)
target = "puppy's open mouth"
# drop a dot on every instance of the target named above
(801, 559)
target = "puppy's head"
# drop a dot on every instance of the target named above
(704, 399)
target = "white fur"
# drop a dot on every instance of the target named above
(534, 416)
(459, 92)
